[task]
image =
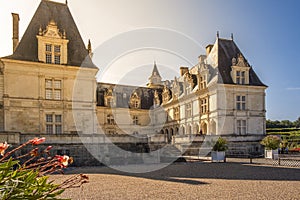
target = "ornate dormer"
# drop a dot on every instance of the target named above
(109, 98)
(175, 89)
(166, 94)
(188, 82)
(135, 101)
(240, 70)
(155, 78)
(156, 100)
(203, 76)
(52, 45)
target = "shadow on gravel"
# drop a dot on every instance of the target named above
(185, 172)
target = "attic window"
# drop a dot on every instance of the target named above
(202, 82)
(240, 77)
(52, 45)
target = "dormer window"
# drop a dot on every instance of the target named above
(109, 98)
(53, 55)
(135, 101)
(240, 77)
(240, 71)
(202, 82)
(52, 45)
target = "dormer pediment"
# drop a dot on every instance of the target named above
(52, 31)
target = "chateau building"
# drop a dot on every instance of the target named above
(220, 95)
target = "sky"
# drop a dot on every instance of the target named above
(175, 32)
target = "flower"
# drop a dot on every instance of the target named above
(37, 141)
(64, 160)
(3, 147)
(34, 152)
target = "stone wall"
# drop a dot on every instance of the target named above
(95, 150)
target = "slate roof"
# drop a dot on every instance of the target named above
(27, 49)
(227, 49)
(122, 94)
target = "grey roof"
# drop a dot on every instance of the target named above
(27, 49)
(227, 49)
(122, 94)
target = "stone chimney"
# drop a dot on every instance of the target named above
(15, 38)
(183, 70)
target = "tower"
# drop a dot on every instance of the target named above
(155, 78)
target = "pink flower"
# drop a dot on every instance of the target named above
(3, 147)
(64, 160)
(37, 141)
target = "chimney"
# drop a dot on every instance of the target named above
(183, 70)
(15, 38)
(209, 48)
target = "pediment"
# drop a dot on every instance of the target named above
(52, 31)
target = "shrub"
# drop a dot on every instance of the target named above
(271, 142)
(220, 145)
(24, 176)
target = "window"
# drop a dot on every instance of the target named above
(241, 127)
(136, 104)
(204, 105)
(57, 59)
(110, 119)
(176, 113)
(53, 124)
(57, 49)
(241, 102)
(240, 77)
(135, 120)
(135, 101)
(53, 53)
(188, 109)
(202, 82)
(48, 58)
(53, 89)
(48, 48)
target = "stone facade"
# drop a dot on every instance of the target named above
(48, 88)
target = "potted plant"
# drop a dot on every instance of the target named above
(218, 150)
(271, 143)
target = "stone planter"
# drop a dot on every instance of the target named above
(272, 154)
(218, 156)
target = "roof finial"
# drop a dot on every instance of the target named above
(89, 48)
(218, 34)
(232, 36)
(40, 31)
(66, 2)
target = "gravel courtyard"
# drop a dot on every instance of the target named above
(191, 180)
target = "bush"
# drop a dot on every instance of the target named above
(220, 145)
(271, 142)
(24, 177)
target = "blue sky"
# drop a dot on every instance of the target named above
(267, 32)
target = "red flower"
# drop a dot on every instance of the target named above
(64, 160)
(3, 147)
(37, 141)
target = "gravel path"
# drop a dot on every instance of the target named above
(192, 180)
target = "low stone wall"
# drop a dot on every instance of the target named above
(93, 150)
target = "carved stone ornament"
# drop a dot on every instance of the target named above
(52, 31)
(241, 61)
